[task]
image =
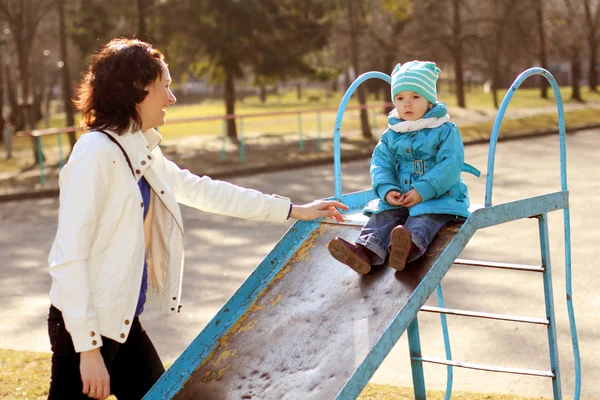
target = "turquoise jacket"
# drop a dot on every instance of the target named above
(428, 160)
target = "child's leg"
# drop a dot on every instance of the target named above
(423, 229)
(371, 247)
(375, 235)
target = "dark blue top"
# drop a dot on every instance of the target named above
(145, 189)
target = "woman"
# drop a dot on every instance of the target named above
(119, 243)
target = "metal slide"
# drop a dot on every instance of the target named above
(300, 329)
(303, 326)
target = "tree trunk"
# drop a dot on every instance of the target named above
(592, 39)
(230, 104)
(66, 84)
(543, 56)
(25, 98)
(141, 20)
(263, 94)
(592, 74)
(2, 89)
(355, 56)
(458, 57)
(576, 76)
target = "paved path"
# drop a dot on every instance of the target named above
(221, 252)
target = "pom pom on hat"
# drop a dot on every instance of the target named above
(416, 76)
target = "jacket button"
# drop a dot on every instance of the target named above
(174, 298)
(142, 204)
(92, 333)
(143, 162)
(406, 181)
(407, 150)
(172, 308)
(94, 343)
(126, 322)
(162, 192)
(137, 171)
(149, 157)
(448, 193)
(122, 335)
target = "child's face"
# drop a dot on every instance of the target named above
(410, 105)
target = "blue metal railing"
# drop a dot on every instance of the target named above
(563, 181)
(337, 163)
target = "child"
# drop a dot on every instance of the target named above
(415, 169)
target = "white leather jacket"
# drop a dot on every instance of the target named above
(96, 261)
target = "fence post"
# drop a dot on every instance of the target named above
(60, 154)
(223, 138)
(242, 146)
(38, 141)
(300, 138)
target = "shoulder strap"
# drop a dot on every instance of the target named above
(112, 139)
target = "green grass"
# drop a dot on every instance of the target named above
(25, 375)
(527, 125)
(523, 98)
(309, 123)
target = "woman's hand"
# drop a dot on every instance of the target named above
(394, 198)
(96, 381)
(411, 198)
(318, 209)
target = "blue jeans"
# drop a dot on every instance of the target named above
(375, 235)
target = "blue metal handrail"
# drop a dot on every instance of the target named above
(337, 164)
(563, 180)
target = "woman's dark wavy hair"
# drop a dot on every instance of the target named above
(114, 83)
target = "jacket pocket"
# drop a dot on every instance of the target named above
(458, 191)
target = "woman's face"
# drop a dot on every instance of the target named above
(153, 109)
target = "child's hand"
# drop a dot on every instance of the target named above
(411, 198)
(318, 209)
(394, 198)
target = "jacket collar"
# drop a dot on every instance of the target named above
(439, 110)
(139, 145)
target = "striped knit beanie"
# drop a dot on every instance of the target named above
(416, 76)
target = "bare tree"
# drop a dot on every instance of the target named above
(354, 10)
(66, 83)
(539, 8)
(571, 14)
(449, 27)
(502, 17)
(592, 19)
(23, 18)
(142, 9)
(387, 21)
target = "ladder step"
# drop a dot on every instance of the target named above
(490, 368)
(491, 264)
(476, 314)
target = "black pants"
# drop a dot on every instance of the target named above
(133, 366)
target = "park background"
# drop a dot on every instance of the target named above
(270, 74)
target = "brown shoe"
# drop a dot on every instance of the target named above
(401, 241)
(353, 255)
